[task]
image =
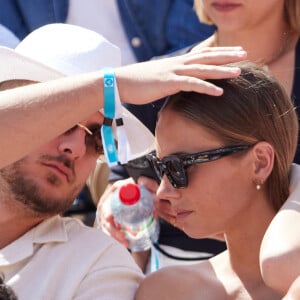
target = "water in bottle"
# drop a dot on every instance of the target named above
(132, 207)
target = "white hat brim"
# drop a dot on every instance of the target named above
(18, 66)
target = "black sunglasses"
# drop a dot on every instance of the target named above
(174, 166)
(93, 141)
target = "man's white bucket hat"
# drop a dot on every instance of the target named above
(58, 50)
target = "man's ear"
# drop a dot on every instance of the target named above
(263, 161)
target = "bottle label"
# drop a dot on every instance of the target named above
(135, 231)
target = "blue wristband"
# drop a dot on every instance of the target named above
(108, 140)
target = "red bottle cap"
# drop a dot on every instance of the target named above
(129, 194)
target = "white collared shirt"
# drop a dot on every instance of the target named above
(63, 259)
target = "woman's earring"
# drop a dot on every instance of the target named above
(258, 183)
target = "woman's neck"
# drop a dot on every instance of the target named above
(273, 49)
(263, 46)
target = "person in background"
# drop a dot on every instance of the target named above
(141, 29)
(273, 25)
(224, 166)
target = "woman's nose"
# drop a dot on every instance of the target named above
(165, 189)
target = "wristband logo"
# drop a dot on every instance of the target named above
(110, 148)
(108, 82)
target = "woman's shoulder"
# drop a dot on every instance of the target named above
(180, 282)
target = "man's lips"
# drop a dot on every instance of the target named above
(61, 169)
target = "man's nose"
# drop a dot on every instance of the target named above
(73, 143)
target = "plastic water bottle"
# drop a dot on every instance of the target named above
(132, 207)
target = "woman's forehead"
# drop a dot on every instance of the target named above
(176, 134)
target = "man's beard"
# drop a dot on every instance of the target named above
(26, 190)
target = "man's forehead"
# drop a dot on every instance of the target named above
(95, 118)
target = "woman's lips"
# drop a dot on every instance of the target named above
(225, 7)
(182, 214)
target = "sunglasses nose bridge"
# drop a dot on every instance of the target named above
(160, 169)
(163, 170)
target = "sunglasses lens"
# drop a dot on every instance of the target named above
(177, 172)
(94, 141)
(172, 167)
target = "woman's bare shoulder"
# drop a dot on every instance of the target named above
(179, 282)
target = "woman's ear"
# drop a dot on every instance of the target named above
(263, 161)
